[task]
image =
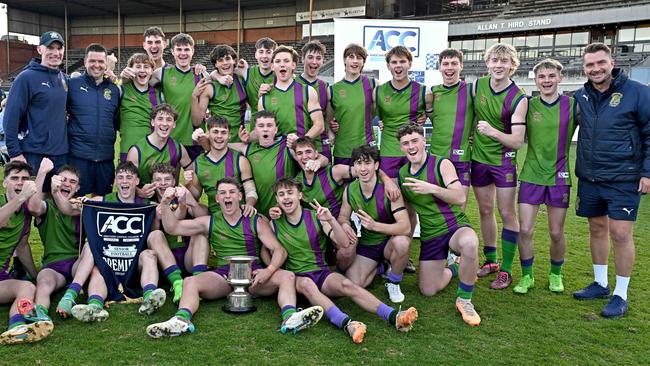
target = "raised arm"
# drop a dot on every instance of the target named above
(173, 226)
(28, 190)
(316, 115)
(36, 204)
(201, 96)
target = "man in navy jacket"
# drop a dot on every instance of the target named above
(93, 105)
(613, 167)
(35, 118)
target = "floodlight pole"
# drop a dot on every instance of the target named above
(119, 31)
(180, 16)
(7, 43)
(238, 25)
(311, 9)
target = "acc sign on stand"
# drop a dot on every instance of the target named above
(119, 224)
(377, 40)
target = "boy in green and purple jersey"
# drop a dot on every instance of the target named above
(177, 253)
(313, 57)
(138, 98)
(59, 233)
(231, 233)
(178, 82)
(220, 162)
(452, 116)
(302, 232)
(296, 106)
(546, 176)
(259, 74)
(399, 101)
(500, 108)
(229, 100)
(158, 147)
(430, 184)
(15, 223)
(348, 98)
(385, 226)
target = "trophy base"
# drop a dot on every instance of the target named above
(238, 310)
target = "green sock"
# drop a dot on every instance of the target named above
(43, 309)
(508, 249)
(175, 276)
(556, 267)
(184, 314)
(464, 290)
(527, 267)
(71, 294)
(490, 254)
(94, 301)
(454, 269)
(286, 311)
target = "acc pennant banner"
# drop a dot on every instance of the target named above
(117, 233)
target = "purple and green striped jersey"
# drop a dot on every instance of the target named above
(549, 128)
(254, 80)
(177, 87)
(113, 197)
(148, 155)
(269, 164)
(452, 119)
(10, 235)
(229, 102)
(437, 217)
(497, 109)
(396, 108)
(323, 188)
(135, 114)
(238, 239)
(208, 172)
(59, 234)
(378, 206)
(352, 105)
(291, 110)
(321, 90)
(304, 242)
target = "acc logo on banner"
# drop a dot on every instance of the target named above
(117, 224)
(378, 40)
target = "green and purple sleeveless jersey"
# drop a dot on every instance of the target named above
(135, 114)
(177, 87)
(254, 80)
(396, 108)
(321, 90)
(148, 155)
(229, 102)
(209, 172)
(549, 128)
(269, 164)
(238, 239)
(437, 217)
(497, 109)
(352, 105)
(113, 197)
(323, 188)
(59, 234)
(377, 206)
(10, 235)
(304, 242)
(452, 120)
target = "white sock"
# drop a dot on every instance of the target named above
(621, 286)
(600, 274)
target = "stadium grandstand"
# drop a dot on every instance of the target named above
(538, 28)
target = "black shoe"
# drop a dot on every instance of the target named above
(593, 291)
(410, 267)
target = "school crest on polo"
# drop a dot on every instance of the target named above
(615, 100)
(537, 116)
(108, 94)
(483, 100)
(342, 93)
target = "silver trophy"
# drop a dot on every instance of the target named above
(240, 276)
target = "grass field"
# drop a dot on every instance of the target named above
(537, 328)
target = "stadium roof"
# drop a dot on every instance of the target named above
(80, 8)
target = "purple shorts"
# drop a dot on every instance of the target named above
(179, 256)
(391, 164)
(4, 274)
(344, 161)
(223, 270)
(463, 170)
(63, 267)
(437, 248)
(318, 277)
(534, 194)
(374, 252)
(501, 176)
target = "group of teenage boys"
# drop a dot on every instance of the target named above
(284, 188)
